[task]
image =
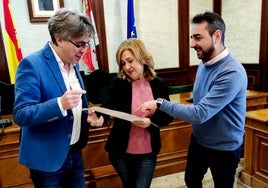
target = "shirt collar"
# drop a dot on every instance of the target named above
(60, 63)
(222, 55)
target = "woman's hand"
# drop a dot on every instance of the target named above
(143, 123)
(93, 119)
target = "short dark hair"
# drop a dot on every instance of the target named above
(214, 20)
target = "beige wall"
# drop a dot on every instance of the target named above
(32, 36)
(156, 22)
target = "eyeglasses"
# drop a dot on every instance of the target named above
(81, 44)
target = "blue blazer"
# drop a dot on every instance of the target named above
(45, 132)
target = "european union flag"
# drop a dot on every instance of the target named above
(131, 27)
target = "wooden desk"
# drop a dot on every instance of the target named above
(181, 98)
(255, 99)
(255, 173)
(11, 172)
(172, 158)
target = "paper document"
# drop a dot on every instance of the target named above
(117, 114)
(114, 113)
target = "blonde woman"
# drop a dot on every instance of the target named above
(133, 147)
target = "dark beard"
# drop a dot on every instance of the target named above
(207, 54)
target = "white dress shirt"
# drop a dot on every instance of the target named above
(71, 82)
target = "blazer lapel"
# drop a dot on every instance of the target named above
(54, 67)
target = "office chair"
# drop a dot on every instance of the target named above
(97, 85)
(7, 98)
(180, 89)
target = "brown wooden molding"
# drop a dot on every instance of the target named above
(102, 55)
(217, 6)
(183, 29)
(263, 57)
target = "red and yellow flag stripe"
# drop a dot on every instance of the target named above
(13, 49)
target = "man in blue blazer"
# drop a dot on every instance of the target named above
(49, 97)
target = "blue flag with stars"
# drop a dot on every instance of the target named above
(131, 27)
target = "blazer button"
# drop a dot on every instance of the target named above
(71, 117)
(69, 136)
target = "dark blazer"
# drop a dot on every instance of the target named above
(45, 132)
(120, 98)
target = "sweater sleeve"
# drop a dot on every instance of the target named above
(224, 91)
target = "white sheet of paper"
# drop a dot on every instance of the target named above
(114, 113)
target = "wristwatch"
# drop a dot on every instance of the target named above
(159, 102)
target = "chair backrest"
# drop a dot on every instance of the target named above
(97, 84)
(180, 89)
(7, 98)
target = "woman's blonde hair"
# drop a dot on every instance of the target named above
(137, 48)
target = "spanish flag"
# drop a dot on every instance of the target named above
(13, 49)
